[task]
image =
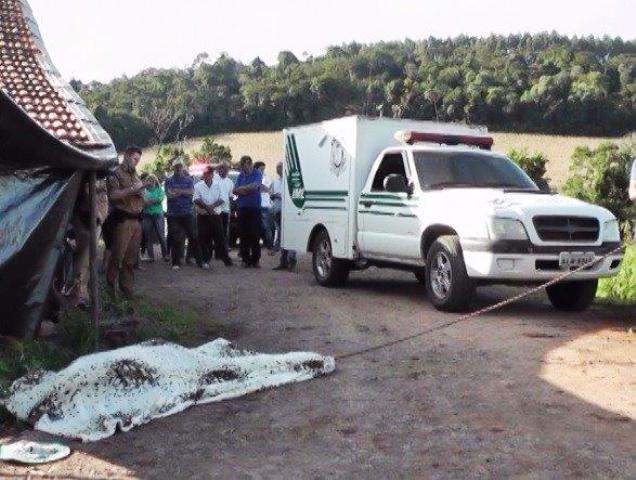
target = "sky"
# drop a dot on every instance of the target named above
(104, 39)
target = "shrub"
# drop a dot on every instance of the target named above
(601, 176)
(162, 163)
(214, 152)
(533, 164)
(621, 288)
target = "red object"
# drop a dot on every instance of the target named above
(198, 168)
(448, 139)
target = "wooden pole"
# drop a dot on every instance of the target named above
(94, 281)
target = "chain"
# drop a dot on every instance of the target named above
(488, 309)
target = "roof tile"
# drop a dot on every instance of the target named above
(28, 76)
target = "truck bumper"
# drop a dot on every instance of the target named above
(524, 262)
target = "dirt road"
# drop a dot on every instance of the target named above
(524, 392)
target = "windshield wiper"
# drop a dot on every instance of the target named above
(535, 191)
(502, 185)
(440, 185)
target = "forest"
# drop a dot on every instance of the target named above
(545, 83)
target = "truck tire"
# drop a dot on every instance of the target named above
(329, 271)
(449, 287)
(572, 296)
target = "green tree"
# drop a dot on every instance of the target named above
(534, 164)
(544, 82)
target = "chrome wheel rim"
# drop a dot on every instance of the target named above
(441, 276)
(323, 258)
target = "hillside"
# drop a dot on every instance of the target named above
(543, 83)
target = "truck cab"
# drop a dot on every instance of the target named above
(435, 200)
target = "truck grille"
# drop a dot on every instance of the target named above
(566, 229)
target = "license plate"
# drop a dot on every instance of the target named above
(575, 259)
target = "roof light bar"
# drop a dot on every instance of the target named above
(412, 137)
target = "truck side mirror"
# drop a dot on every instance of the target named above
(395, 183)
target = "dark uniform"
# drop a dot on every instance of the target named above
(126, 239)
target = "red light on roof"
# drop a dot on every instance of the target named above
(445, 139)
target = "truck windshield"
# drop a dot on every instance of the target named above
(469, 170)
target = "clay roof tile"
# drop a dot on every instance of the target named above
(28, 76)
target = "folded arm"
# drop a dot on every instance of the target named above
(118, 193)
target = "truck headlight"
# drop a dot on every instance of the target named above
(611, 231)
(507, 229)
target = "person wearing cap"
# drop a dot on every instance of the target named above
(208, 203)
(179, 190)
(248, 191)
(125, 191)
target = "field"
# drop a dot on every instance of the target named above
(266, 146)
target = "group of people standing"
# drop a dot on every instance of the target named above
(198, 213)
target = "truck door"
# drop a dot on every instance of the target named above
(389, 226)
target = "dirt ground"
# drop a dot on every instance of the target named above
(524, 392)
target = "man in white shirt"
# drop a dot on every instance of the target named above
(266, 207)
(208, 202)
(277, 202)
(287, 257)
(226, 186)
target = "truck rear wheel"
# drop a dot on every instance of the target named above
(448, 285)
(329, 271)
(572, 296)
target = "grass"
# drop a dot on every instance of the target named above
(168, 322)
(267, 147)
(155, 320)
(622, 288)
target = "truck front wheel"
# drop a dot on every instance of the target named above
(329, 271)
(448, 285)
(572, 296)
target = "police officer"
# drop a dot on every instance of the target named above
(125, 191)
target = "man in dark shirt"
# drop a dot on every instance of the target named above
(179, 190)
(248, 191)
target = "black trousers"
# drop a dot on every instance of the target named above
(250, 232)
(211, 237)
(225, 218)
(181, 227)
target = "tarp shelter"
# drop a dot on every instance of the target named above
(49, 145)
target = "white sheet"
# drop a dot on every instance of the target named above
(117, 390)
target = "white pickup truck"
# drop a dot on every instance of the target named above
(433, 199)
